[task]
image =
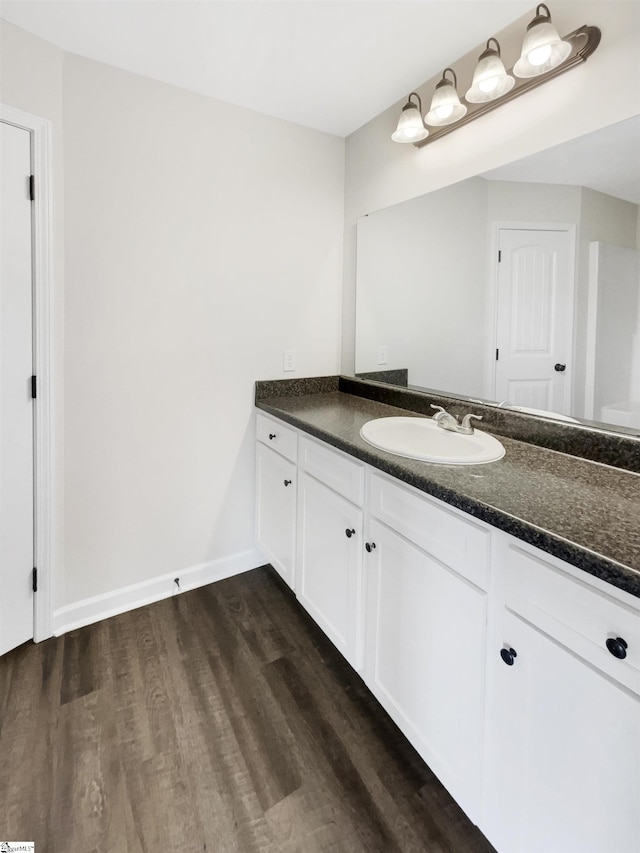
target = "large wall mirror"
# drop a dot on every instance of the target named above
(520, 286)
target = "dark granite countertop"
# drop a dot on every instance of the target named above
(583, 512)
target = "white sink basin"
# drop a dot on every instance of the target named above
(422, 438)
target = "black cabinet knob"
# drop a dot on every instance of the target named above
(370, 546)
(272, 435)
(617, 647)
(349, 532)
(287, 482)
(560, 367)
(508, 656)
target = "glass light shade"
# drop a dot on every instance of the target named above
(542, 49)
(490, 79)
(410, 125)
(445, 104)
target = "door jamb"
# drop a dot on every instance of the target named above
(40, 130)
(492, 301)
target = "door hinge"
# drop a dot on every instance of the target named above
(35, 580)
(497, 354)
(499, 256)
(32, 187)
(34, 388)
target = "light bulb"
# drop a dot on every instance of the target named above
(490, 79)
(488, 85)
(445, 104)
(409, 134)
(542, 48)
(444, 111)
(539, 55)
(410, 125)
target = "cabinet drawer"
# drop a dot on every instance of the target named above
(278, 436)
(341, 474)
(574, 614)
(460, 544)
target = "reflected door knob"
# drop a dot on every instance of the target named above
(560, 367)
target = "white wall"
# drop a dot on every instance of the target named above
(380, 172)
(514, 201)
(200, 240)
(421, 275)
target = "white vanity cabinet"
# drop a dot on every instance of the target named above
(562, 770)
(330, 544)
(426, 619)
(514, 675)
(276, 488)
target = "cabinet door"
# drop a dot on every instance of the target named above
(424, 658)
(329, 562)
(563, 752)
(276, 510)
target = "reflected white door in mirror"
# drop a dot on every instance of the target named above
(534, 318)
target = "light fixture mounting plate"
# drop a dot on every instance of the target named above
(583, 42)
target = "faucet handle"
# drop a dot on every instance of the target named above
(466, 421)
(440, 411)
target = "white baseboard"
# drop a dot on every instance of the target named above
(108, 604)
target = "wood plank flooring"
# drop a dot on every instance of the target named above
(218, 720)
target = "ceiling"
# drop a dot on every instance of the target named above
(606, 160)
(331, 65)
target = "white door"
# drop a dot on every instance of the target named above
(329, 564)
(424, 658)
(16, 407)
(562, 754)
(535, 318)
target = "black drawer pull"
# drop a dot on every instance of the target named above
(287, 482)
(508, 656)
(617, 647)
(272, 435)
(349, 533)
(370, 546)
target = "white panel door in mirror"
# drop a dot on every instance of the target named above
(534, 318)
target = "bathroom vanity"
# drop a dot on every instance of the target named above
(493, 610)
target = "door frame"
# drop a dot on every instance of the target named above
(41, 132)
(492, 295)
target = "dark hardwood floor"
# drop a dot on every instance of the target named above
(218, 720)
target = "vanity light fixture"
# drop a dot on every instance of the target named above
(490, 79)
(542, 49)
(410, 125)
(544, 56)
(445, 105)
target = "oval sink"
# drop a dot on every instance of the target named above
(422, 438)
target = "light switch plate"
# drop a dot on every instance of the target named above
(382, 354)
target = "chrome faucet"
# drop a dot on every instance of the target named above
(445, 420)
